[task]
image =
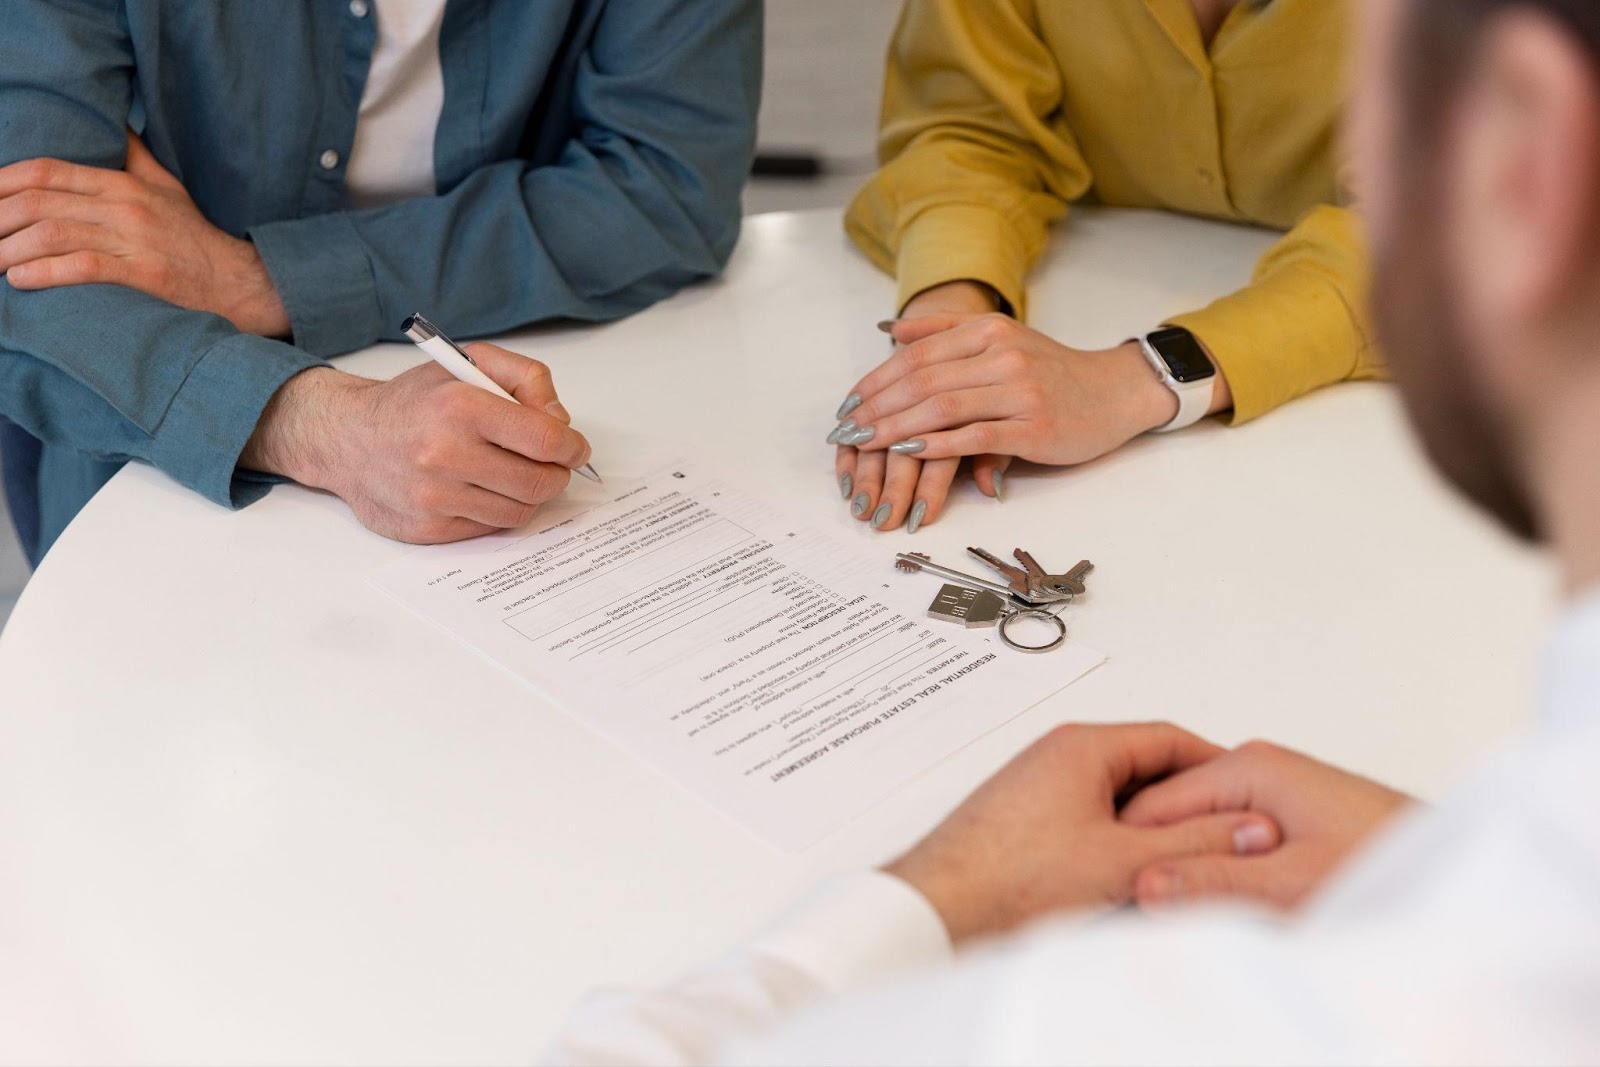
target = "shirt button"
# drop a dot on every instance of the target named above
(329, 159)
(359, 8)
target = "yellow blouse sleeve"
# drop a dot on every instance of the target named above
(1301, 323)
(973, 172)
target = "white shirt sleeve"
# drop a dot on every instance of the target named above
(854, 931)
(1078, 990)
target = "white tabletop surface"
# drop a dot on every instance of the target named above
(253, 811)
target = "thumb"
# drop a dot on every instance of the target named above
(527, 380)
(989, 472)
(1224, 835)
(143, 165)
(910, 331)
(1195, 879)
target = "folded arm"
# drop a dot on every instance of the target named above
(105, 369)
(642, 199)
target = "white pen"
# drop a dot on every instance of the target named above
(454, 359)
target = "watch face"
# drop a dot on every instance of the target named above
(1186, 361)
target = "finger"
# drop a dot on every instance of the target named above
(413, 531)
(534, 434)
(844, 471)
(528, 380)
(477, 504)
(74, 268)
(1008, 437)
(933, 489)
(1267, 879)
(57, 174)
(960, 342)
(943, 411)
(23, 209)
(143, 165)
(1147, 751)
(51, 237)
(909, 331)
(511, 475)
(1228, 834)
(922, 385)
(989, 472)
(869, 484)
(1224, 784)
(899, 486)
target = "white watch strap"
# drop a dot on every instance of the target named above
(1194, 401)
(1194, 398)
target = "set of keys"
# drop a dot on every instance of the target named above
(1028, 592)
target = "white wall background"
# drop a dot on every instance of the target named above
(823, 81)
(824, 66)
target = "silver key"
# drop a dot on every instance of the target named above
(1069, 584)
(1018, 579)
(912, 562)
(972, 608)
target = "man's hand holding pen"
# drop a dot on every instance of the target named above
(424, 458)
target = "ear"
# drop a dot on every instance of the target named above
(1524, 218)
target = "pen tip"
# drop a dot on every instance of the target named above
(588, 471)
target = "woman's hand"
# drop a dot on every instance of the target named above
(965, 385)
(890, 490)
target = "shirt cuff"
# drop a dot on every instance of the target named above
(320, 268)
(215, 412)
(1275, 346)
(857, 930)
(963, 242)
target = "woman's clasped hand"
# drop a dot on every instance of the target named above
(986, 388)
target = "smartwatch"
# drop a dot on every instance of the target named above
(1183, 366)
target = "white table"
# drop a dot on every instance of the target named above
(251, 810)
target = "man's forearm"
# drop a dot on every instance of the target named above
(256, 306)
(300, 426)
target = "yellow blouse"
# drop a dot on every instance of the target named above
(998, 113)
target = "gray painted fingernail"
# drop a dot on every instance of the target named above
(909, 448)
(851, 402)
(880, 516)
(919, 511)
(838, 432)
(1000, 486)
(887, 325)
(846, 483)
(846, 426)
(858, 506)
(859, 437)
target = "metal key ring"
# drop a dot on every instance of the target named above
(1061, 631)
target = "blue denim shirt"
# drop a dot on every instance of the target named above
(589, 160)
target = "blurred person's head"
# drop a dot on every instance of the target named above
(1477, 133)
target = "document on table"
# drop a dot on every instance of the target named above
(789, 677)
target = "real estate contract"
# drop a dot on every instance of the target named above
(789, 677)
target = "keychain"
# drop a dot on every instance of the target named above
(1029, 592)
